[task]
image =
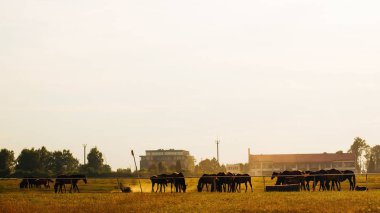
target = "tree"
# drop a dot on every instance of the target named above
(210, 166)
(375, 152)
(45, 158)
(161, 167)
(178, 166)
(7, 161)
(28, 161)
(357, 148)
(63, 162)
(339, 152)
(95, 159)
(371, 165)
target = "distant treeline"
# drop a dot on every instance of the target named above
(44, 163)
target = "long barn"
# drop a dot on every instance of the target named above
(269, 163)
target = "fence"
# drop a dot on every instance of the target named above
(110, 184)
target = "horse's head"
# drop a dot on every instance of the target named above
(274, 174)
(184, 187)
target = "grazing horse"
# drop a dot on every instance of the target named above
(160, 180)
(334, 176)
(178, 180)
(225, 182)
(207, 179)
(45, 182)
(28, 182)
(319, 176)
(308, 177)
(73, 180)
(280, 179)
(350, 176)
(289, 177)
(242, 178)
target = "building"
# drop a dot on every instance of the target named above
(168, 158)
(234, 168)
(267, 164)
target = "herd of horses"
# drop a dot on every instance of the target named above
(221, 182)
(327, 179)
(59, 185)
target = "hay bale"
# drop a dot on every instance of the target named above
(283, 188)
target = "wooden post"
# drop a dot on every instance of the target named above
(264, 183)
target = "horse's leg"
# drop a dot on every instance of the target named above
(250, 184)
(246, 186)
(152, 186)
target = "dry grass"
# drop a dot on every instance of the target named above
(96, 196)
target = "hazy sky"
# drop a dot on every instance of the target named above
(275, 76)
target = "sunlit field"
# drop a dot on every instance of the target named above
(102, 195)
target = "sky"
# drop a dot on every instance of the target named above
(281, 76)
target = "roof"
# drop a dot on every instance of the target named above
(307, 158)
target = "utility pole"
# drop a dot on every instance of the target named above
(84, 154)
(217, 149)
(137, 172)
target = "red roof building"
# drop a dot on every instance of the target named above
(267, 164)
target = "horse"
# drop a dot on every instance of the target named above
(350, 176)
(160, 180)
(280, 179)
(28, 182)
(178, 179)
(289, 177)
(207, 179)
(242, 178)
(319, 176)
(225, 182)
(334, 176)
(73, 180)
(44, 181)
(308, 177)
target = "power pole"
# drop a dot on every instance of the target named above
(217, 149)
(137, 172)
(84, 154)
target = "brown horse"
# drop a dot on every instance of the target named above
(350, 176)
(290, 177)
(178, 180)
(160, 180)
(333, 176)
(62, 180)
(206, 179)
(242, 178)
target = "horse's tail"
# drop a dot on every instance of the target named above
(354, 180)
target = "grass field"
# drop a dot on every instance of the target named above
(101, 195)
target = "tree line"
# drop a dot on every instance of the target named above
(367, 158)
(44, 163)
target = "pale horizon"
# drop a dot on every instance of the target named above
(277, 77)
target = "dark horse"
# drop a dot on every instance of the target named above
(160, 180)
(178, 180)
(73, 180)
(289, 177)
(319, 176)
(28, 182)
(225, 182)
(334, 176)
(242, 178)
(44, 182)
(350, 176)
(206, 179)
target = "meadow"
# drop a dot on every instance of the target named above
(102, 195)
